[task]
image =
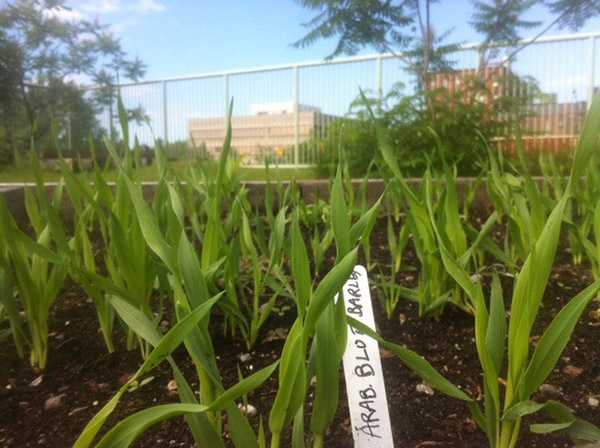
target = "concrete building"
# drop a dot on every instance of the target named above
(270, 131)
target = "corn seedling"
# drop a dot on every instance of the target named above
(451, 232)
(318, 316)
(502, 414)
(582, 213)
(315, 216)
(434, 289)
(390, 292)
(39, 283)
(520, 200)
(9, 306)
(91, 200)
(190, 297)
(266, 273)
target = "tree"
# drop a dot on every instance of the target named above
(404, 28)
(40, 55)
(461, 116)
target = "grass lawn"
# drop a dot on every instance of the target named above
(12, 174)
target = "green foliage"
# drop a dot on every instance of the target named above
(404, 28)
(39, 54)
(200, 244)
(39, 278)
(501, 418)
(466, 121)
(358, 23)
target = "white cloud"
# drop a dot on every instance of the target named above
(119, 27)
(148, 6)
(122, 12)
(102, 6)
(123, 8)
(81, 79)
(63, 14)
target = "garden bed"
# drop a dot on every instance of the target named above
(51, 408)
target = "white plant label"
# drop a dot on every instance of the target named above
(362, 369)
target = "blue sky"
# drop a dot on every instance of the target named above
(188, 37)
(182, 37)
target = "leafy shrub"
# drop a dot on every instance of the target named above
(466, 120)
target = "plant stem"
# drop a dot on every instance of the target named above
(318, 441)
(276, 440)
(510, 434)
(515, 433)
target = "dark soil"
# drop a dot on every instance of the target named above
(85, 377)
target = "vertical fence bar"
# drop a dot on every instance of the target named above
(227, 111)
(296, 116)
(592, 71)
(165, 112)
(226, 91)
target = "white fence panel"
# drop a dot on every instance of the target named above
(281, 113)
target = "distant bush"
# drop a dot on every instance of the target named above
(466, 122)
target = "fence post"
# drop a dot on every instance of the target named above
(165, 112)
(226, 91)
(592, 73)
(296, 116)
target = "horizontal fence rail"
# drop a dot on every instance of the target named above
(282, 113)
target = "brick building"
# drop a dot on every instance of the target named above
(547, 124)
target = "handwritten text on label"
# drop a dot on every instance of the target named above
(362, 368)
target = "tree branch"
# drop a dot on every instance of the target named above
(540, 34)
(525, 45)
(399, 56)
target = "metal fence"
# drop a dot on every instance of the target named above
(281, 112)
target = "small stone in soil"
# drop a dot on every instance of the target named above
(37, 381)
(77, 410)
(172, 386)
(164, 326)
(52, 402)
(424, 389)
(245, 357)
(573, 371)
(593, 402)
(249, 410)
(549, 389)
(476, 278)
